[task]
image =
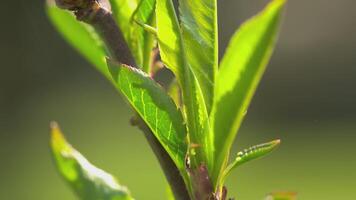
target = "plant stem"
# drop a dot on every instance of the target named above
(171, 172)
(93, 13)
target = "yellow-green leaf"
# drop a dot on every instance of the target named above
(240, 72)
(200, 36)
(174, 57)
(251, 153)
(87, 181)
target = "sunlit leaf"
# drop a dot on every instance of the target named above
(173, 55)
(282, 196)
(251, 153)
(87, 181)
(81, 36)
(240, 72)
(139, 41)
(200, 36)
(155, 107)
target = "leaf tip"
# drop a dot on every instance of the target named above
(276, 142)
(55, 131)
(278, 4)
(269, 146)
(57, 140)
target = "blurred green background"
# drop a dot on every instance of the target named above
(307, 98)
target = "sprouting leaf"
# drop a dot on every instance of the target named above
(81, 36)
(172, 53)
(87, 181)
(251, 153)
(155, 107)
(282, 196)
(144, 14)
(200, 36)
(126, 12)
(240, 72)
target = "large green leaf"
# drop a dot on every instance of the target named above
(241, 70)
(173, 55)
(87, 181)
(81, 36)
(155, 107)
(200, 36)
(139, 41)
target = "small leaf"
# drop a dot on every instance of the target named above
(81, 36)
(240, 72)
(174, 57)
(200, 36)
(251, 153)
(144, 14)
(87, 181)
(282, 196)
(155, 107)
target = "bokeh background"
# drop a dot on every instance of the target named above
(307, 98)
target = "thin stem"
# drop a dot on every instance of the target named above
(170, 170)
(93, 13)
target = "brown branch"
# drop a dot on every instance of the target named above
(93, 13)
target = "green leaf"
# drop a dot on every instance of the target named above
(155, 107)
(251, 153)
(172, 53)
(87, 181)
(241, 70)
(282, 196)
(169, 39)
(200, 36)
(81, 36)
(144, 14)
(139, 41)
